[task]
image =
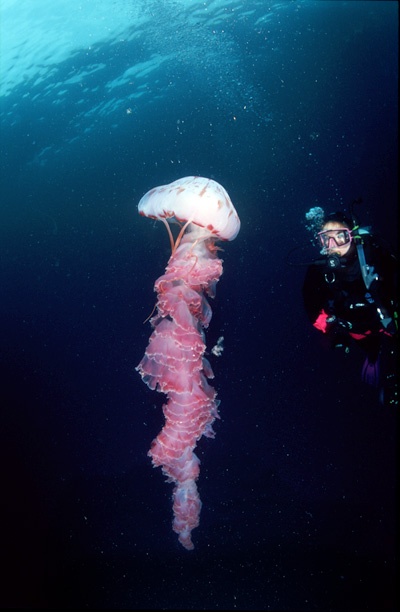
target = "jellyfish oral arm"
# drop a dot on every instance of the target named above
(174, 363)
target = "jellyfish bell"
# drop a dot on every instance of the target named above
(201, 205)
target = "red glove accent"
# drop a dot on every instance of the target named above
(320, 322)
(359, 336)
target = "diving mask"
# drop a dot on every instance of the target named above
(330, 239)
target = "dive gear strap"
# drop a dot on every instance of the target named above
(369, 276)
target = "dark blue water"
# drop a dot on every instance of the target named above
(288, 105)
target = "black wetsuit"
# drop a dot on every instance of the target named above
(339, 305)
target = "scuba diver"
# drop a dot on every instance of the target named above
(350, 294)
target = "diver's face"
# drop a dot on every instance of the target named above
(335, 238)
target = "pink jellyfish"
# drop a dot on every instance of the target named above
(174, 362)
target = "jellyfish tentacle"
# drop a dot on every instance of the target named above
(179, 237)
(171, 238)
(151, 314)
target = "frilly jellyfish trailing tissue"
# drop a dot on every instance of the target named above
(174, 361)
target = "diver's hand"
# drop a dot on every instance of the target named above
(388, 323)
(390, 326)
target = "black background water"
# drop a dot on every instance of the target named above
(298, 487)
